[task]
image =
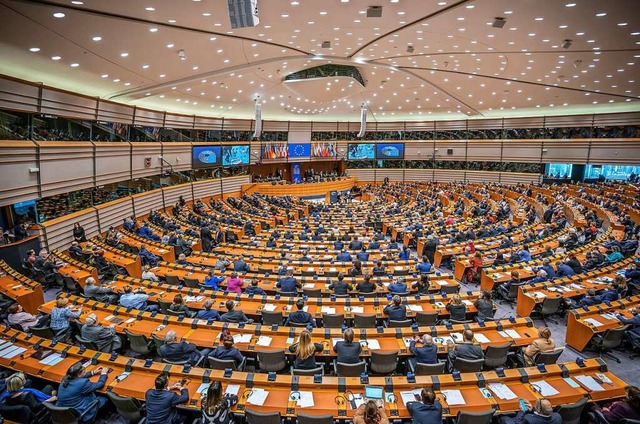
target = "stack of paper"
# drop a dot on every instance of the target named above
(11, 351)
(502, 391)
(457, 337)
(608, 316)
(357, 309)
(308, 286)
(303, 399)
(257, 396)
(372, 344)
(264, 341)
(443, 340)
(52, 359)
(269, 307)
(481, 338)
(415, 308)
(328, 310)
(593, 322)
(545, 388)
(513, 334)
(539, 295)
(193, 298)
(232, 389)
(440, 305)
(242, 338)
(442, 282)
(453, 397)
(412, 396)
(590, 383)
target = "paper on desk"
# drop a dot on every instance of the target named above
(109, 318)
(354, 309)
(590, 383)
(443, 340)
(193, 298)
(539, 295)
(12, 352)
(593, 322)
(372, 344)
(412, 396)
(571, 382)
(130, 320)
(52, 359)
(232, 389)
(289, 341)
(269, 307)
(257, 396)
(415, 308)
(242, 338)
(440, 305)
(309, 286)
(328, 310)
(357, 400)
(481, 338)
(305, 400)
(335, 340)
(264, 341)
(442, 282)
(467, 302)
(202, 388)
(502, 391)
(608, 316)
(545, 388)
(453, 397)
(503, 334)
(513, 334)
(457, 337)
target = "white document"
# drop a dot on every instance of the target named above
(269, 307)
(571, 382)
(372, 344)
(502, 391)
(442, 282)
(335, 340)
(481, 338)
(453, 397)
(109, 318)
(513, 334)
(257, 396)
(193, 298)
(52, 359)
(328, 310)
(130, 320)
(357, 309)
(416, 308)
(232, 389)
(593, 322)
(309, 286)
(467, 302)
(539, 295)
(457, 337)
(545, 388)
(503, 334)
(608, 316)
(305, 399)
(440, 305)
(12, 352)
(590, 383)
(242, 338)
(289, 341)
(412, 396)
(357, 399)
(443, 340)
(264, 341)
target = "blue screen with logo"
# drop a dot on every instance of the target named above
(390, 151)
(205, 156)
(361, 151)
(235, 155)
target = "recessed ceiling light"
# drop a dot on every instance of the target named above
(569, 5)
(145, 66)
(116, 80)
(56, 57)
(124, 54)
(74, 65)
(59, 15)
(601, 14)
(172, 21)
(206, 14)
(150, 9)
(77, 2)
(563, 26)
(169, 46)
(539, 18)
(153, 29)
(97, 38)
(508, 12)
(34, 49)
(104, 76)
(347, 1)
(295, 3)
(162, 75)
(622, 24)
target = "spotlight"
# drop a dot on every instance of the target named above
(182, 55)
(499, 22)
(566, 44)
(410, 49)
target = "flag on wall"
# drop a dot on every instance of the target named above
(324, 149)
(274, 151)
(299, 150)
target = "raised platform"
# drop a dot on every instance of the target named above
(302, 189)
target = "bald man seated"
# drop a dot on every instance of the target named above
(541, 413)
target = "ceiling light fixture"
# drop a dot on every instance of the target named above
(34, 49)
(59, 15)
(56, 57)
(410, 49)
(566, 44)
(182, 55)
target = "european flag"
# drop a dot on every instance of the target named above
(299, 150)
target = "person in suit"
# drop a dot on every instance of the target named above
(17, 315)
(634, 321)
(99, 293)
(161, 401)
(348, 351)
(343, 256)
(208, 313)
(234, 315)
(305, 351)
(356, 269)
(427, 354)
(253, 289)
(563, 270)
(363, 255)
(213, 279)
(355, 244)
(544, 343)
(179, 306)
(395, 310)
(147, 256)
(430, 247)
(484, 305)
(422, 285)
(289, 284)
(105, 338)
(398, 286)
(227, 351)
(428, 411)
(78, 392)
(300, 316)
(239, 265)
(541, 413)
(466, 350)
(424, 266)
(175, 351)
(340, 288)
(366, 286)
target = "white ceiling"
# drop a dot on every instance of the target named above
(461, 66)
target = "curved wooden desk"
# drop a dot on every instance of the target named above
(304, 189)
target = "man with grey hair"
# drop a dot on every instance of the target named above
(105, 338)
(427, 354)
(181, 351)
(541, 413)
(99, 292)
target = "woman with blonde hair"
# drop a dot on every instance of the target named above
(544, 343)
(457, 309)
(17, 394)
(305, 351)
(370, 413)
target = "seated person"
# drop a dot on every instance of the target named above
(395, 310)
(544, 343)
(563, 270)
(305, 351)
(340, 288)
(213, 279)
(17, 394)
(378, 268)
(147, 257)
(147, 274)
(540, 277)
(589, 299)
(625, 409)
(179, 306)
(78, 392)
(239, 265)
(499, 260)
(99, 293)
(632, 274)
(427, 354)
(18, 316)
(208, 313)
(366, 286)
(615, 255)
(61, 314)
(348, 351)
(136, 300)
(300, 316)
(356, 269)
(541, 413)
(253, 289)
(574, 264)
(175, 351)
(428, 411)
(227, 351)
(216, 405)
(289, 284)
(235, 283)
(546, 266)
(182, 260)
(503, 289)
(424, 266)
(457, 309)
(234, 315)
(398, 286)
(405, 254)
(363, 255)
(370, 412)
(466, 350)
(105, 338)
(161, 401)
(75, 250)
(484, 305)
(609, 294)
(422, 285)
(343, 256)
(633, 321)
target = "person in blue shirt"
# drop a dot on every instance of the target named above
(398, 286)
(161, 401)
(227, 351)
(546, 266)
(343, 256)
(541, 413)
(632, 274)
(610, 294)
(271, 243)
(253, 289)
(428, 411)
(305, 257)
(78, 392)
(208, 313)
(374, 245)
(300, 316)
(338, 245)
(213, 281)
(525, 255)
(427, 354)
(563, 270)
(589, 299)
(239, 265)
(615, 255)
(136, 300)
(424, 266)
(405, 254)
(144, 254)
(363, 255)
(378, 268)
(395, 310)
(540, 277)
(289, 284)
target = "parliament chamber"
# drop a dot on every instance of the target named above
(305, 212)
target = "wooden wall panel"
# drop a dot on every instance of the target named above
(447, 175)
(362, 174)
(566, 151)
(65, 166)
(521, 150)
(140, 151)
(418, 174)
(173, 193)
(113, 213)
(458, 146)
(394, 175)
(206, 189)
(234, 184)
(614, 152)
(484, 150)
(174, 120)
(16, 95)
(58, 232)
(18, 184)
(144, 202)
(113, 162)
(516, 177)
(115, 112)
(61, 103)
(208, 123)
(482, 176)
(419, 150)
(178, 155)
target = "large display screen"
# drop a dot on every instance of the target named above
(390, 151)
(610, 172)
(299, 150)
(235, 155)
(559, 170)
(361, 151)
(205, 156)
